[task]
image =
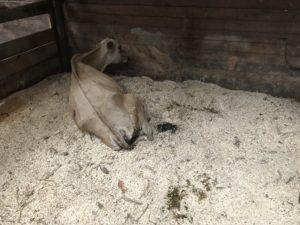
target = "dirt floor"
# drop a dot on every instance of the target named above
(235, 159)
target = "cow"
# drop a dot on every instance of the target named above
(99, 105)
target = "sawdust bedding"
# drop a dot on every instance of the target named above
(234, 159)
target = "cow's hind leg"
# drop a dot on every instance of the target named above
(140, 117)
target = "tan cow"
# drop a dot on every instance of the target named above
(99, 105)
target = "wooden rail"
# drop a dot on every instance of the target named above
(26, 43)
(34, 9)
(27, 59)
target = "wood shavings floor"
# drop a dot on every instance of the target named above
(235, 159)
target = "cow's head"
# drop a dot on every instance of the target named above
(112, 52)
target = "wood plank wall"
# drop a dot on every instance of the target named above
(250, 45)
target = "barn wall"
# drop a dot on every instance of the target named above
(251, 45)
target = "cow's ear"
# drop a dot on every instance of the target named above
(110, 45)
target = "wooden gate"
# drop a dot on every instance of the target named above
(27, 60)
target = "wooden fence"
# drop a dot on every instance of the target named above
(26, 60)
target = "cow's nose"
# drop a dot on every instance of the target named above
(130, 140)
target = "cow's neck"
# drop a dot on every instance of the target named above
(96, 59)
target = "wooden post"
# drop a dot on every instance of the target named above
(58, 24)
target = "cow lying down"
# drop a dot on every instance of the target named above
(99, 105)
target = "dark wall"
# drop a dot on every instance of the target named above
(251, 45)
